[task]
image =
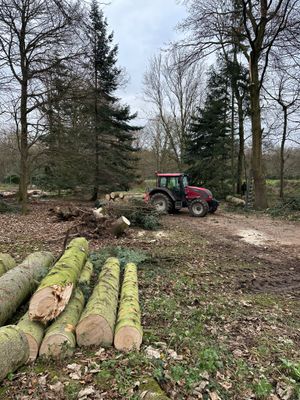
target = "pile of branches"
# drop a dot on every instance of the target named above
(139, 213)
(94, 223)
(87, 222)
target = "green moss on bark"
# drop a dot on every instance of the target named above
(20, 282)
(14, 349)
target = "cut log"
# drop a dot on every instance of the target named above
(34, 332)
(107, 197)
(128, 332)
(98, 213)
(236, 201)
(56, 288)
(96, 325)
(14, 349)
(150, 390)
(6, 263)
(113, 196)
(120, 226)
(60, 336)
(20, 282)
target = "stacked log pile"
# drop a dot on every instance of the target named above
(121, 196)
(59, 304)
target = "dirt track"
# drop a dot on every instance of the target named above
(274, 245)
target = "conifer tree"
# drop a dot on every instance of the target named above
(112, 136)
(208, 150)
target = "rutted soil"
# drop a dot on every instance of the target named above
(269, 248)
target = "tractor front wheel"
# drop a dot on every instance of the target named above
(198, 208)
(162, 203)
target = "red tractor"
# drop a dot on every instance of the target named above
(172, 192)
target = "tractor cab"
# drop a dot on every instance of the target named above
(173, 192)
(175, 183)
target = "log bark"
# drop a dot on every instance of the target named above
(6, 263)
(150, 390)
(236, 201)
(14, 350)
(34, 332)
(60, 336)
(20, 282)
(96, 325)
(86, 274)
(128, 332)
(120, 226)
(56, 288)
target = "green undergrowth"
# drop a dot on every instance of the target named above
(124, 254)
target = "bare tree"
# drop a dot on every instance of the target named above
(284, 89)
(174, 90)
(35, 36)
(257, 28)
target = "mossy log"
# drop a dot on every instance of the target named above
(6, 263)
(128, 332)
(20, 282)
(14, 349)
(96, 325)
(56, 288)
(120, 226)
(60, 336)
(150, 390)
(86, 274)
(34, 332)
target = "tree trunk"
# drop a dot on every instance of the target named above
(56, 288)
(241, 154)
(120, 226)
(6, 263)
(34, 332)
(14, 350)
(23, 145)
(150, 390)
(60, 336)
(128, 332)
(232, 137)
(260, 200)
(18, 283)
(282, 151)
(96, 325)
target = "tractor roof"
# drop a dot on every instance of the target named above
(170, 175)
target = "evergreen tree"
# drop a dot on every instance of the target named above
(112, 133)
(208, 150)
(90, 141)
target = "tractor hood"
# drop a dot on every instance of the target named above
(198, 190)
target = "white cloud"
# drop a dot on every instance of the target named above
(141, 29)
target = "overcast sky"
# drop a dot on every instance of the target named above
(141, 28)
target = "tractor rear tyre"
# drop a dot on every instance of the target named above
(162, 203)
(198, 208)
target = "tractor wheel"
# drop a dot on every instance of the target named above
(162, 203)
(198, 208)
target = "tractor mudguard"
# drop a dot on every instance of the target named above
(162, 190)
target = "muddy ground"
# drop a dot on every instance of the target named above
(220, 298)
